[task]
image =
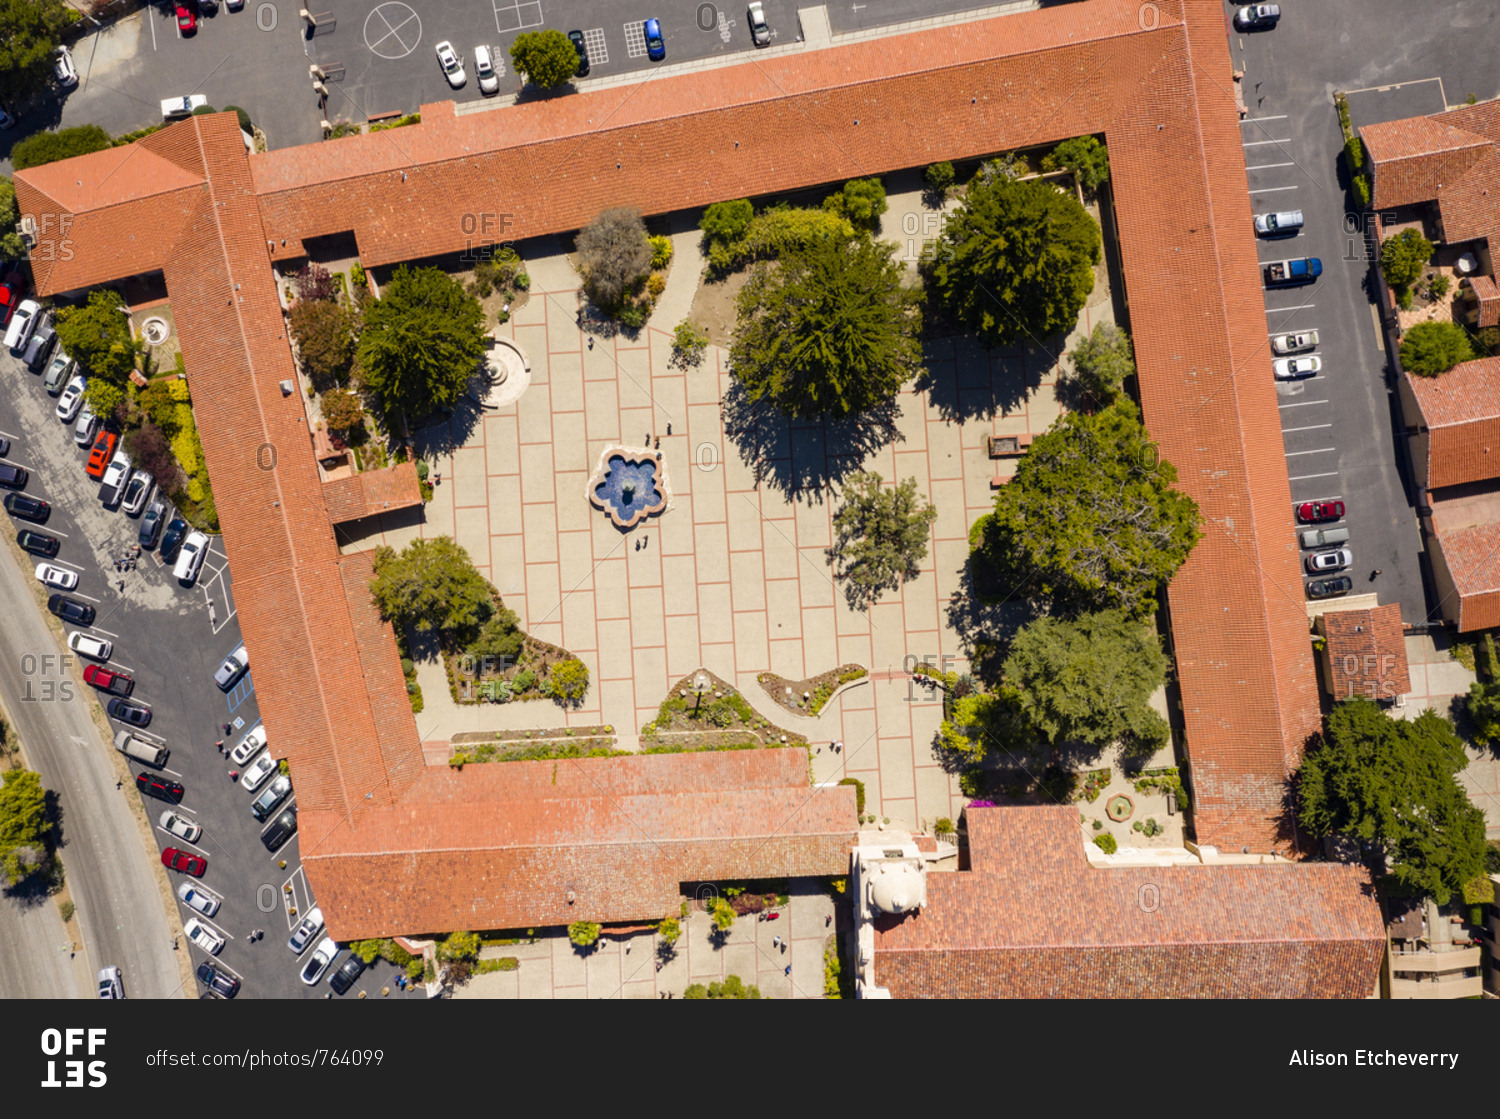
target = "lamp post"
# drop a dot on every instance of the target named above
(701, 684)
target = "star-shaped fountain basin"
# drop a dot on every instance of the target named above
(629, 485)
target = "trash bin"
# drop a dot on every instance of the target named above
(1171, 802)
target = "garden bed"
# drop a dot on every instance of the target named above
(819, 689)
(719, 720)
(486, 680)
(535, 745)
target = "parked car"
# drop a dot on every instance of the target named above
(190, 559)
(218, 981)
(174, 108)
(274, 793)
(1324, 537)
(760, 30)
(13, 477)
(1291, 343)
(452, 66)
(1327, 588)
(346, 974)
(71, 610)
(39, 348)
(59, 577)
(1294, 368)
(1335, 560)
(281, 829)
(71, 401)
(309, 927)
(1316, 512)
(108, 680)
(128, 711)
(250, 745)
(12, 288)
(116, 474)
(160, 788)
(172, 540)
(1253, 17)
(62, 66)
(231, 670)
(204, 937)
(6, 120)
(187, 23)
(57, 374)
(27, 508)
(184, 861)
(195, 896)
(137, 492)
(318, 962)
(101, 454)
(484, 71)
(4, 446)
(86, 430)
(151, 522)
(258, 771)
(576, 37)
(22, 323)
(94, 648)
(1283, 221)
(656, 46)
(111, 983)
(182, 828)
(38, 543)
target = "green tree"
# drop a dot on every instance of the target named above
(1431, 348)
(733, 987)
(1085, 156)
(1403, 256)
(669, 930)
(547, 58)
(460, 945)
(431, 584)
(97, 336)
(11, 245)
(421, 343)
(24, 824)
(49, 147)
(992, 724)
(1015, 261)
(1102, 360)
(324, 333)
(830, 331)
(150, 450)
(689, 343)
(342, 410)
(1091, 519)
(727, 221)
(880, 536)
(723, 915)
(1393, 785)
(1089, 679)
(584, 933)
(862, 201)
(1483, 704)
(500, 637)
(30, 31)
(568, 681)
(939, 177)
(695, 991)
(614, 255)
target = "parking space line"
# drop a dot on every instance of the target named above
(106, 632)
(1305, 477)
(1302, 403)
(1314, 427)
(187, 843)
(55, 532)
(9, 436)
(1316, 451)
(65, 563)
(1269, 166)
(125, 668)
(1252, 120)
(211, 924)
(1268, 190)
(1259, 143)
(1285, 310)
(91, 598)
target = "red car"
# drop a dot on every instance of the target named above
(1315, 512)
(160, 788)
(108, 680)
(11, 290)
(187, 19)
(173, 859)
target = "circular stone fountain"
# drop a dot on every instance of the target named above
(1119, 808)
(505, 374)
(155, 330)
(629, 485)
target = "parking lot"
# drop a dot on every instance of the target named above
(169, 639)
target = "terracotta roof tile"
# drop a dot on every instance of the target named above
(1461, 410)
(1366, 652)
(1413, 157)
(1488, 295)
(1470, 205)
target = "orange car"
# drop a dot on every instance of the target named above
(103, 451)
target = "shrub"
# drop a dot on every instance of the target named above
(525, 680)
(1403, 256)
(727, 221)
(944, 826)
(568, 681)
(1404, 298)
(656, 285)
(204, 110)
(584, 933)
(939, 176)
(633, 315)
(862, 201)
(342, 410)
(1438, 286)
(1361, 190)
(775, 233)
(1354, 155)
(245, 124)
(459, 945)
(669, 930)
(689, 342)
(1085, 156)
(695, 991)
(49, 147)
(500, 636)
(408, 668)
(722, 914)
(661, 252)
(357, 277)
(614, 255)
(313, 281)
(1106, 843)
(66, 911)
(1431, 348)
(859, 793)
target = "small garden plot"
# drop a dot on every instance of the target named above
(810, 696)
(718, 719)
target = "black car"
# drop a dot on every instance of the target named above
(583, 55)
(4, 446)
(1327, 588)
(71, 610)
(38, 543)
(13, 477)
(151, 522)
(159, 787)
(350, 970)
(176, 532)
(128, 711)
(281, 829)
(218, 981)
(27, 508)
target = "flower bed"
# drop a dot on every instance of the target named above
(819, 689)
(719, 719)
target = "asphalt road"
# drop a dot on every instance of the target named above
(36, 960)
(1339, 426)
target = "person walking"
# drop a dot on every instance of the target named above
(776, 941)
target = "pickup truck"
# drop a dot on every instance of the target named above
(1303, 270)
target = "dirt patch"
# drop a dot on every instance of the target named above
(714, 306)
(808, 697)
(718, 719)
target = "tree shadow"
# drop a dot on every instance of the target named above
(986, 612)
(964, 381)
(444, 432)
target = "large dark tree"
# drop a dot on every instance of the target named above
(547, 58)
(432, 584)
(324, 333)
(422, 342)
(97, 335)
(829, 330)
(1393, 785)
(1015, 262)
(30, 31)
(24, 825)
(1091, 520)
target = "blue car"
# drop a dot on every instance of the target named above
(656, 47)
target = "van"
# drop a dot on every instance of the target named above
(1324, 537)
(147, 753)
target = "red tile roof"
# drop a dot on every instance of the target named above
(372, 492)
(1487, 294)
(1415, 156)
(1470, 205)
(1461, 410)
(1366, 651)
(1033, 920)
(1471, 555)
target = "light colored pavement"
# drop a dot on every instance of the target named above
(36, 957)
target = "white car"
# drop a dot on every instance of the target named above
(87, 427)
(1283, 221)
(309, 927)
(760, 30)
(198, 898)
(138, 491)
(91, 647)
(115, 474)
(62, 66)
(259, 770)
(232, 669)
(183, 106)
(1290, 368)
(318, 962)
(111, 984)
(71, 399)
(203, 936)
(1335, 560)
(59, 577)
(250, 745)
(453, 68)
(190, 558)
(1291, 343)
(182, 828)
(484, 70)
(22, 323)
